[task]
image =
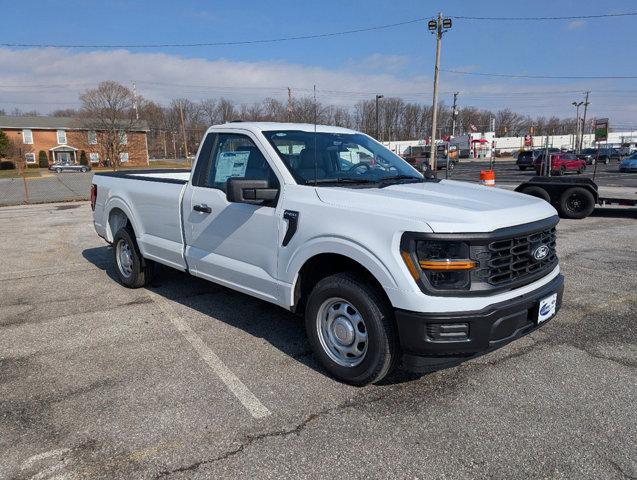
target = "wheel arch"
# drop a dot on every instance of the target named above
(117, 214)
(315, 265)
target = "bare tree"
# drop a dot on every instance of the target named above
(109, 110)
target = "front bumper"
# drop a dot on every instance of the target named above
(423, 344)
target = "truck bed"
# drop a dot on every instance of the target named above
(166, 175)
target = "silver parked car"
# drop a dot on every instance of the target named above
(69, 167)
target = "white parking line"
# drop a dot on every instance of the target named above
(236, 386)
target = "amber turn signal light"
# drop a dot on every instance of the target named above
(447, 264)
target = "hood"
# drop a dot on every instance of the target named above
(447, 206)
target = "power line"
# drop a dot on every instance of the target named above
(534, 19)
(553, 77)
(311, 36)
(219, 44)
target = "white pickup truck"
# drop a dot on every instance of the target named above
(386, 265)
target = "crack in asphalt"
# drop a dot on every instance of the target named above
(296, 430)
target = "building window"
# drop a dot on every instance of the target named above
(123, 139)
(123, 157)
(92, 137)
(30, 157)
(27, 137)
(95, 157)
(61, 137)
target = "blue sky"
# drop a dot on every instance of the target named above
(396, 60)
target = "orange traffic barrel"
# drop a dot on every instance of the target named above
(487, 177)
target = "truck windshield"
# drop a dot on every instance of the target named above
(339, 158)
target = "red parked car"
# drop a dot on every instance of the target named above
(561, 163)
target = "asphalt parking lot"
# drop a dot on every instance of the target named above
(190, 380)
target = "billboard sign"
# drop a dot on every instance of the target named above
(601, 129)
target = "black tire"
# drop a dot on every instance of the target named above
(522, 168)
(538, 192)
(561, 171)
(83, 170)
(58, 170)
(576, 203)
(141, 270)
(606, 161)
(582, 169)
(382, 350)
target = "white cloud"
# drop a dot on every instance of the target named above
(575, 24)
(48, 79)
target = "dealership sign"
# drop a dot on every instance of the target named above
(601, 130)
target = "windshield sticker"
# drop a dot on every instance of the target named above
(231, 164)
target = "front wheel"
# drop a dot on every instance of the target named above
(351, 329)
(58, 170)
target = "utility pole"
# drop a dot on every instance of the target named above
(437, 27)
(135, 101)
(378, 97)
(165, 149)
(454, 114)
(289, 104)
(583, 121)
(183, 129)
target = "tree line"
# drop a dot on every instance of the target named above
(176, 129)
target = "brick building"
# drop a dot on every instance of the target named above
(64, 139)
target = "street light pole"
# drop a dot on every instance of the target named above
(577, 105)
(378, 97)
(437, 27)
(586, 103)
(454, 114)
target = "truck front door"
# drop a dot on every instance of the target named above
(233, 244)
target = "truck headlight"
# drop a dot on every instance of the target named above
(443, 265)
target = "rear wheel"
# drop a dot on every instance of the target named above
(561, 170)
(522, 168)
(351, 329)
(576, 202)
(132, 269)
(538, 192)
(58, 170)
(606, 161)
(581, 169)
(83, 169)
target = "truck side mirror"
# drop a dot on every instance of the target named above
(240, 190)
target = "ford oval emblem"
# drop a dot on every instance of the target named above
(540, 253)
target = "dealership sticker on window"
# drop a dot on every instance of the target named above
(231, 164)
(547, 308)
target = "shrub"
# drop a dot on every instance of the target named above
(43, 159)
(7, 165)
(33, 165)
(83, 159)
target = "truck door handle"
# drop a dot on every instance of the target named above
(203, 208)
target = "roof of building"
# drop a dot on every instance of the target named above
(54, 123)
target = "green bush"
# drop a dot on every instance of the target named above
(7, 165)
(83, 159)
(43, 159)
(33, 165)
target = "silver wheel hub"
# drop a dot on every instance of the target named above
(342, 332)
(124, 257)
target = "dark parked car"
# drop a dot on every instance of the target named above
(608, 154)
(562, 163)
(69, 167)
(588, 155)
(528, 158)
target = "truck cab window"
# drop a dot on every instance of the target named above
(235, 156)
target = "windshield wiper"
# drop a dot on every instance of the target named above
(387, 181)
(338, 180)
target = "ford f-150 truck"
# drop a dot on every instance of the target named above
(386, 265)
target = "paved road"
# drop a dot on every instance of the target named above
(99, 381)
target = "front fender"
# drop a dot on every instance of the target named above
(341, 246)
